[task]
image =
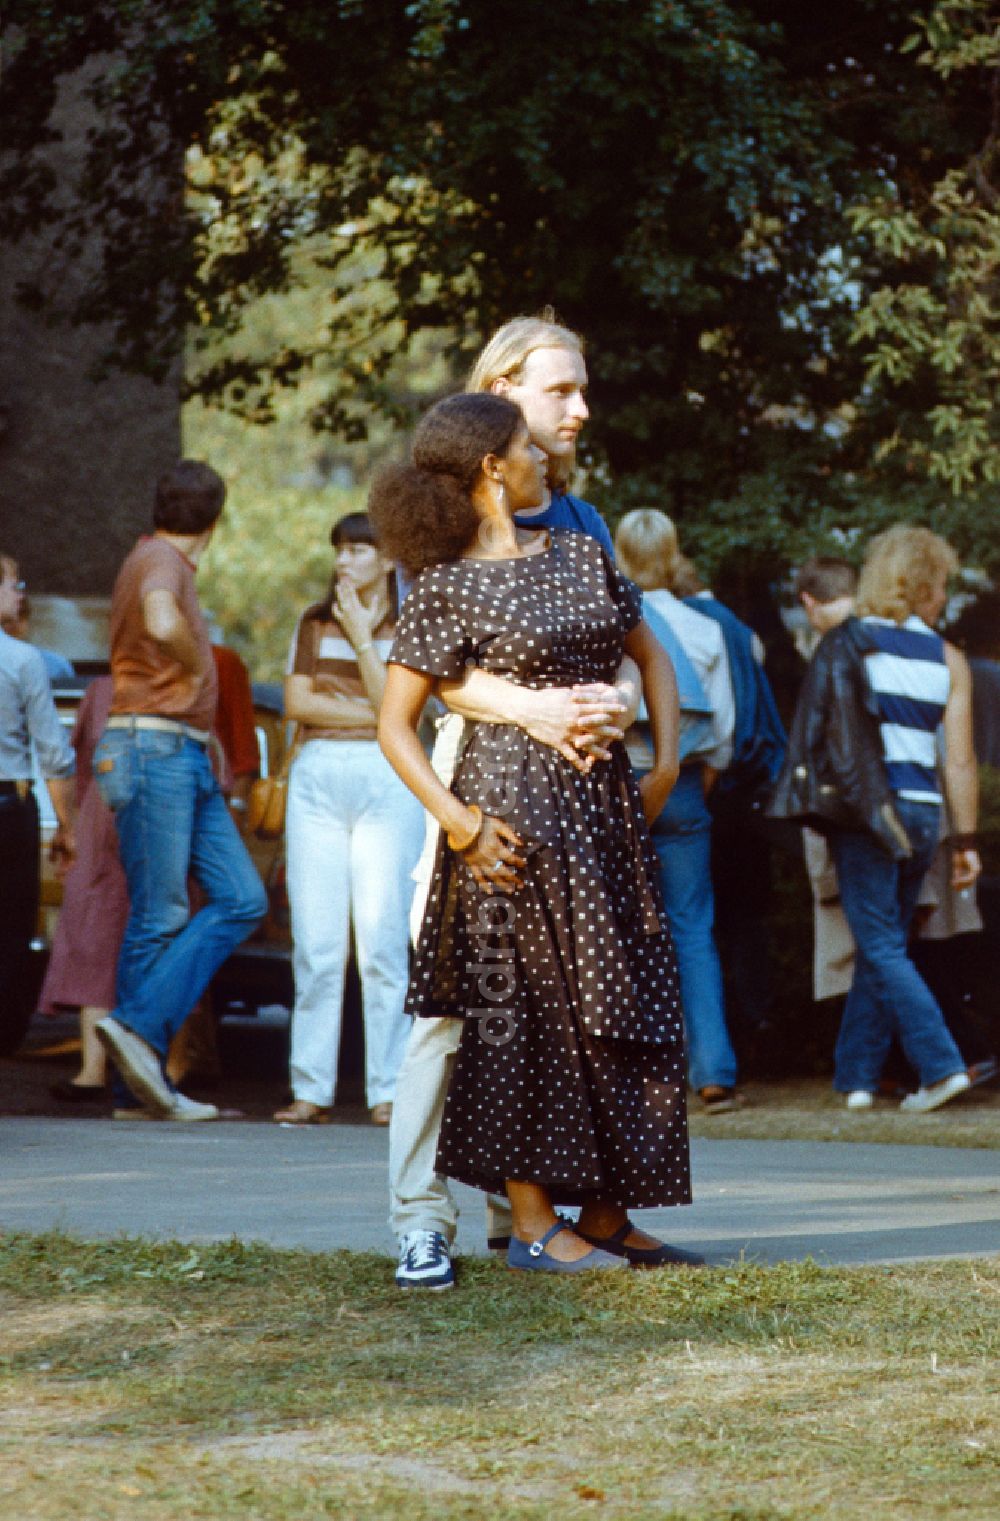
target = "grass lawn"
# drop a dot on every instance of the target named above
(807, 1109)
(148, 1381)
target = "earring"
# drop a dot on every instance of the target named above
(501, 495)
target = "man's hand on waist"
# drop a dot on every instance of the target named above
(581, 722)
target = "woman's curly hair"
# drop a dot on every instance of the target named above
(900, 567)
(423, 512)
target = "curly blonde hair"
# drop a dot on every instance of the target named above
(901, 566)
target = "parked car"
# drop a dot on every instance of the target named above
(259, 973)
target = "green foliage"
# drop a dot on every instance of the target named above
(287, 483)
(270, 560)
(930, 331)
(720, 194)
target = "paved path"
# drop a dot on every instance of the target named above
(325, 1187)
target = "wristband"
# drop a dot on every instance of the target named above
(456, 843)
(964, 841)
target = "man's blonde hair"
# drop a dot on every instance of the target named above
(646, 548)
(504, 356)
(900, 568)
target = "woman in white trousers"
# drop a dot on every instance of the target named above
(353, 835)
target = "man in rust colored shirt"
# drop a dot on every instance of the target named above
(153, 770)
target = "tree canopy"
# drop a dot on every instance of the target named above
(775, 224)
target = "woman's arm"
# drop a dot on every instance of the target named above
(305, 703)
(659, 685)
(359, 624)
(961, 777)
(403, 700)
(323, 710)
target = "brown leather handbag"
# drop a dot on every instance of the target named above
(268, 798)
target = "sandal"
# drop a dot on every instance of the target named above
(718, 1100)
(301, 1112)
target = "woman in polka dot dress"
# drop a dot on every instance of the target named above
(544, 926)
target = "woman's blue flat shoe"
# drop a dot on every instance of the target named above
(663, 1255)
(531, 1256)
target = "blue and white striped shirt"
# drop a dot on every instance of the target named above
(911, 682)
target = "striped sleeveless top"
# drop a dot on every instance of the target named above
(911, 681)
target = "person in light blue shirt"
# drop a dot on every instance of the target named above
(647, 550)
(27, 719)
(741, 853)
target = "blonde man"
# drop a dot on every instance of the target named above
(539, 365)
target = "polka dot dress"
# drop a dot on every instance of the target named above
(570, 1071)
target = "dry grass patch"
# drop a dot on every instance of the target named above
(286, 1385)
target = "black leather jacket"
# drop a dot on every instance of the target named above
(834, 774)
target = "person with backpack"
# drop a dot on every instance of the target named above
(647, 551)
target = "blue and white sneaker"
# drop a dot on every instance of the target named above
(424, 1262)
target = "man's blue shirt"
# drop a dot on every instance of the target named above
(565, 511)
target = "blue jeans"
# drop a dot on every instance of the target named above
(172, 820)
(682, 838)
(888, 996)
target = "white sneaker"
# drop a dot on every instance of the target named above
(190, 1110)
(424, 1262)
(937, 1094)
(860, 1098)
(138, 1064)
(187, 1110)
